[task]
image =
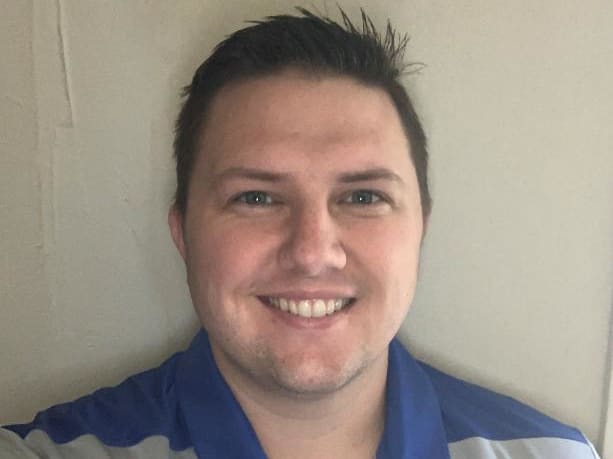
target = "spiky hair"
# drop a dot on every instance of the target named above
(311, 43)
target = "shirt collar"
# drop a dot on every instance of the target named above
(413, 422)
(219, 428)
(217, 424)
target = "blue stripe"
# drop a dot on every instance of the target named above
(472, 411)
(142, 406)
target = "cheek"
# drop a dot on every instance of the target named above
(224, 258)
(390, 257)
(217, 268)
(402, 255)
(391, 249)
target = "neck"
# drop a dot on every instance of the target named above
(346, 423)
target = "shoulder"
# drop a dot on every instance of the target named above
(485, 424)
(138, 413)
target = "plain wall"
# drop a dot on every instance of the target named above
(516, 278)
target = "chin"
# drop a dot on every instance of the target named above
(315, 377)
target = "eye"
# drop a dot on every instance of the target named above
(363, 197)
(254, 198)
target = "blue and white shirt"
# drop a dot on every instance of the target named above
(185, 410)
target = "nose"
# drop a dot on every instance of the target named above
(312, 246)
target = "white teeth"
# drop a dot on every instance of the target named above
(316, 307)
(304, 308)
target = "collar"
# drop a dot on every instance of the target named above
(413, 422)
(219, 428)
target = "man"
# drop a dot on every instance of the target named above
(301, 203)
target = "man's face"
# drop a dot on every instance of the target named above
(304, 197)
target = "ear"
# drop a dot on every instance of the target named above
(175, 222)
(425, 223)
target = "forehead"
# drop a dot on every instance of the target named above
(271, 116)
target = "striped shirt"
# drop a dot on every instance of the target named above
(185, 410)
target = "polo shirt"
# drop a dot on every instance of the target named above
(185, 410)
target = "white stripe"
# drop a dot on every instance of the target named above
(13, 447)
(525, 448)
(592, 447)
(37, 444)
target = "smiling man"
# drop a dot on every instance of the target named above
(301, 236)
(301, 204)
(301, 231)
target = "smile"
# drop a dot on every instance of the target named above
(313, 308)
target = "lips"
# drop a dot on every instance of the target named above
(308, 308)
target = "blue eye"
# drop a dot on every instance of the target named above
(255, 198)
(364, 197)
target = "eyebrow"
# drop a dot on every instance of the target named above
(250, 173)
(378, 173)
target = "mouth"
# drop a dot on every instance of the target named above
(313, 308)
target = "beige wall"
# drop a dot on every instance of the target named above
(516, 278)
